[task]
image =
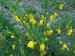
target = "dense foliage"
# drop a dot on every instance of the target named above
(36, 28)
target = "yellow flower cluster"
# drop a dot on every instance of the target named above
(31, 45)
(29, 17)
(48, 32)
(32, 20)
(64, 47)
(42, 20)
(53, 16)
(29, 20)
(17, 19)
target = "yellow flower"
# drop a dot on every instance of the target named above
(61, 6)
(69, 32)
(41, 22)
(43, 18)
(8, 32)
(13, 46)
(22, 51)
(51, 17)
(55, 15)
(11, 55)
(44, 33)
(26, 15)
(34, 22)
(27, 34)
(31, 44)
(43, 53)
(24, 22)
(17, 19)
(28, 26)
(12, 36)
(62, 48)
(65, 47)
(0, 34)
(47, 24)
(67, 26)
(58, 31)
(74, 52)
(49, 32)
(42, 47)
(35, 43)
(46, 39)
(60, 42)
(31, 16)
(20, 41)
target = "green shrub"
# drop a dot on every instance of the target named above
(26, 32)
